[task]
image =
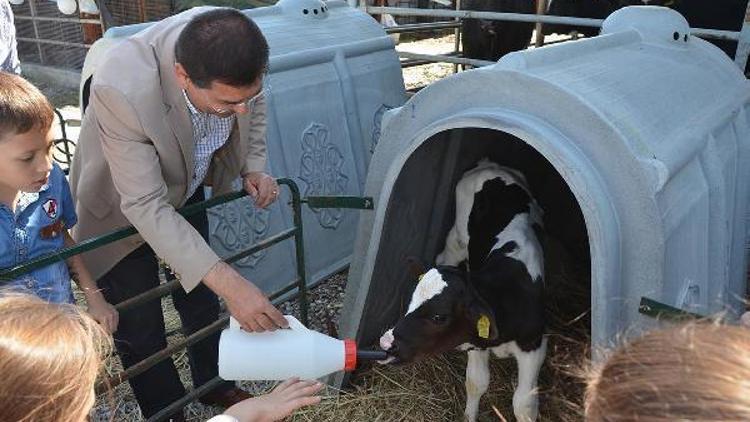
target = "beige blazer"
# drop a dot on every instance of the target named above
(134, 158)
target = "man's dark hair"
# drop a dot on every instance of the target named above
(222, 45)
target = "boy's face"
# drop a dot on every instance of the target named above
(25, 160)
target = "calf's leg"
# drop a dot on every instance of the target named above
(525, 398)
(477, 380)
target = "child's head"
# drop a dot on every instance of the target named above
(50, 355)
(694, 372)
(25, 139)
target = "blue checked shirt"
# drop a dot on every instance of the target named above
(37, 228)
(210, 133)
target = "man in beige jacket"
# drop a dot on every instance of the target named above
(173, 107)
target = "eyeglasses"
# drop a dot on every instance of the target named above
(248, 103)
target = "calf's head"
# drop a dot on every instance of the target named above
(444, 312)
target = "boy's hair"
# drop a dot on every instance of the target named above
(692, 372)
(50, 355)
(222, 45)
(22, 106)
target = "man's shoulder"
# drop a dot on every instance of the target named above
(133, 66)
(131, 69)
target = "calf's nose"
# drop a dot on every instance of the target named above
(386, 340)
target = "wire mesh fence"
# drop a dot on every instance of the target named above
(46, 36)
(126, 12)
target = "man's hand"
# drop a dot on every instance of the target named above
(261, 187)
(247, 304)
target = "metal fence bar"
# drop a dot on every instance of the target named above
(718, 34)
(415, 27)
(656, 309)
(446, 59)
(165, 413)
(55, 19)
(63, 254)
(541, 8)
(54, 42)
(474, 14)
(263, 244)
(457, 35)
(299, 248)
(350, 202)
(156, 293)
(113, 236)
(161, 355)
(32, 10)
(411, 62)
(531, 18)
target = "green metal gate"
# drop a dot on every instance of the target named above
(297, 287)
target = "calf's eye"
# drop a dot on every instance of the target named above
(439, 318)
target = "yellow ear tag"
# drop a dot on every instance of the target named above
(421, 276)
(483, 327)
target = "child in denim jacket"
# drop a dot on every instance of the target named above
(36, 208)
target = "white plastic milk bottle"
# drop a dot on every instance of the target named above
(281, 354)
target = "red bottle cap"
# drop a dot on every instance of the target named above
(350, 355)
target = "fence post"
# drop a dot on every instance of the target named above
(299, 248)
(541, 9)
(457, 34)
(32, 10)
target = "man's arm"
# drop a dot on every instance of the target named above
(136, 173)
(260, 186)
(255, 144)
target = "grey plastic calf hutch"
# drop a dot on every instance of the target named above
(635, 142)
(333, 73)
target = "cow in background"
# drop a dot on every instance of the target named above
(489, 39)
(715, 14)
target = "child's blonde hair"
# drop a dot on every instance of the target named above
(692, 372)
(22, 106)
(50, 355)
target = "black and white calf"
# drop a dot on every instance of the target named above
(493, 305)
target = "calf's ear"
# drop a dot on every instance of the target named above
(481, 317)
(415, 266)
